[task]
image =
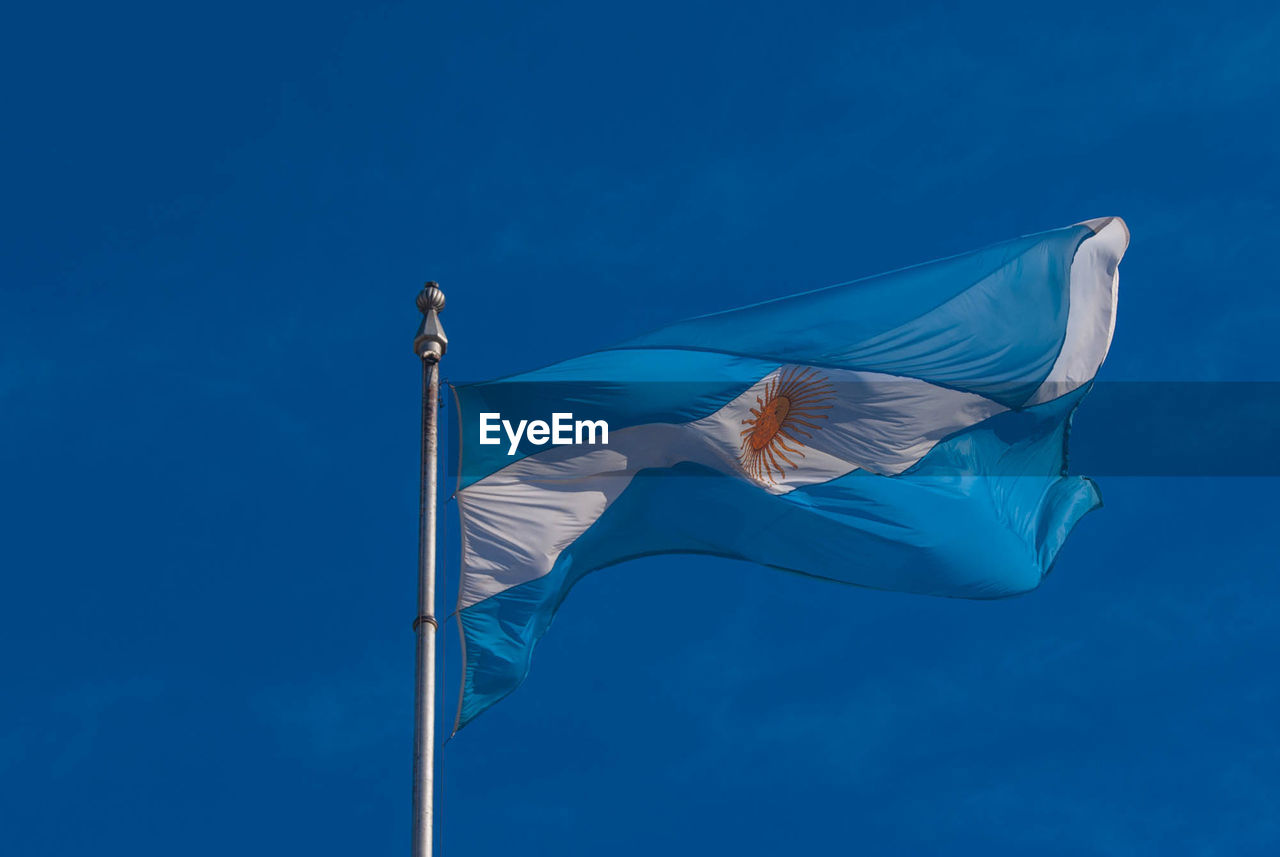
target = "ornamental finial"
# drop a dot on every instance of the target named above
(431, 297)
(430, 342)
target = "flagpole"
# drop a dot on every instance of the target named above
(429, 344)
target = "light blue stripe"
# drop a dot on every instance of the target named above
(918, 322)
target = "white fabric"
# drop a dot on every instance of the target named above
(520, 518)
(1091, 322)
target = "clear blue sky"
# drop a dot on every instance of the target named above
(215, 221)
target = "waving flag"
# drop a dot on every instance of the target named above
(904, 432)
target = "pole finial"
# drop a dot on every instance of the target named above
(431, 297)
(430, 342)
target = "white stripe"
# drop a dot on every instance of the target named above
(1091, 321)
(518, 520)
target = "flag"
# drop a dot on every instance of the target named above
(904, 432)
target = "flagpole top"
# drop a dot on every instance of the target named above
(430, 298)
(430, 342)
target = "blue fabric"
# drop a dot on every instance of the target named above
(939, 529)
(982, 515)
(918, 322)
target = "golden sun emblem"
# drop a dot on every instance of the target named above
(792, 403)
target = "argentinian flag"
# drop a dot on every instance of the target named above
(903, 432)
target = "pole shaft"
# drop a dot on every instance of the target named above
(424, 709)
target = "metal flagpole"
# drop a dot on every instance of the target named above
(429, 344)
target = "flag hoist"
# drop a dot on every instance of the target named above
(429, 344)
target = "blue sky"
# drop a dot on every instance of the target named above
(216, 221)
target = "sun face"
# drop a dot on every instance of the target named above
(789, 410)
